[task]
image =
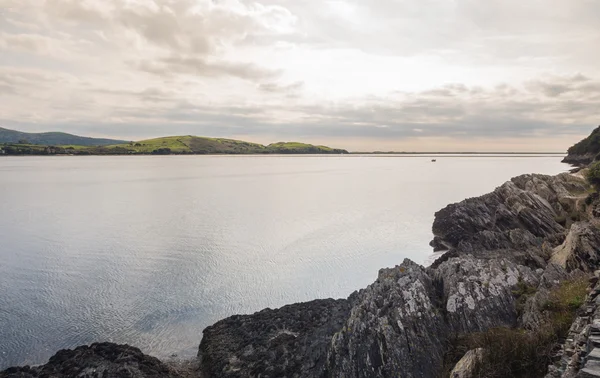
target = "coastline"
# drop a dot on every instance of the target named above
(412, 308)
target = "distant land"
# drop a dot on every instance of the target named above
(455, 153)
(14, 142)
(19, 143)
(53, 138)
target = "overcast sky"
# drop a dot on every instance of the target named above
(404, 75)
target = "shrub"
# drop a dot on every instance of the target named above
(591, 198)
(593, 175)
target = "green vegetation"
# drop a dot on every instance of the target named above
(522, 292)
(593, 175)
(171, 145)
(294, 147)
(587, 146)
(517, 352)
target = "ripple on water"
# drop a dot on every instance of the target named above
(150, 250)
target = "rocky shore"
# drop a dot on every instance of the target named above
(532, 232)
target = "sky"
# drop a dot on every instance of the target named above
(376, 75)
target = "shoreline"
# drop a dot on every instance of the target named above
(224, 346)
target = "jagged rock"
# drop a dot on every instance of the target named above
(517, 215)
(533, 316)
(100, 360)
(581, 248)
(579, 160)
(465, 368)
(478, 292)
(396, 328)
(288, 342)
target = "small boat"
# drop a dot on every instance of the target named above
(433, 160)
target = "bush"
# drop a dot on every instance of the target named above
(593, 175)
(591, 198)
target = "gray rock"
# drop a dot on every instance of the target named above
(518, 215)
(288, 342)
(396, 328)
(580, 249)
(478, 292)
(101, 360)
(465, 368)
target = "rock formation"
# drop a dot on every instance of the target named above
(97, 361)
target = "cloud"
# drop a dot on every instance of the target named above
(281, 88)
(395, 70)
(197, 66)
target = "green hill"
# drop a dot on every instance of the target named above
(170, 145)
(52, 139)
(586, 150)
(202, 145)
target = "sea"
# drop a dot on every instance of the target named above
(150, 250)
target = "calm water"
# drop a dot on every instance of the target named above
(150, 250)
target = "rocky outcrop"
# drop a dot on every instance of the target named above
(400, 325)
(465, 368)
(520, 214)
(101, 360)
(579, 160)
(580, 248)
(287, 342)
(478, 292)
(393, 322)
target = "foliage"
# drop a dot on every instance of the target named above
(591, 198)
(589, 145)
(522, 291)
(593, 175)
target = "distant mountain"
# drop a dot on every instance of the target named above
(53, 139)
(586, 150)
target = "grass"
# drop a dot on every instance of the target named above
(185, 145)
(175, 144)
(516, 352)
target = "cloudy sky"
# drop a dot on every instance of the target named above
(404, 75)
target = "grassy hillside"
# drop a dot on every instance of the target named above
(193, 145)
(202, 145)
(173, 145)
(52, 139)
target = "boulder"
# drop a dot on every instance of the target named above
(465, 368)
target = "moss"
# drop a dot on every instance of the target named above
(568, 297)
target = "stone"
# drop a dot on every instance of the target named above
(97, 360)
(286, 342)
(465, 368)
